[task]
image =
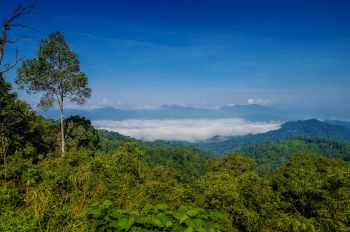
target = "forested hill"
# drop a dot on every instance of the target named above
(270, 156)
(186, 163)
(110, 182)
(339, 123)
(305, 128)
(190, 163)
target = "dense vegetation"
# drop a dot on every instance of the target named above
(109, 182)
(305, 128)
(189, 163)
(270, 156)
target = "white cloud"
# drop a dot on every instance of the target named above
(145, 107)
(186, 130)
(108, 103)
(97, 105)
(258, 101)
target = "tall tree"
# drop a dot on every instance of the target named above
(55, 72)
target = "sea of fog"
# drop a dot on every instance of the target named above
(190, 130)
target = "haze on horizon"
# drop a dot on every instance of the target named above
(291, 54)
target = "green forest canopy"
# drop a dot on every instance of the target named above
(109, 182)
(272, 155)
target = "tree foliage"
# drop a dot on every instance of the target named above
(56, 74)
(317, 189)
(272, 155)
(21, 130)
(80, 133)
(123, 191)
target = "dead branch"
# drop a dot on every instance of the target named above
(8, 67)
(7, 25)
(20, 38)
(21, 25)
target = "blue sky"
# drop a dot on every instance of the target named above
(292, 54)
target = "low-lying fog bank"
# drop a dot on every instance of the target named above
(190, 130)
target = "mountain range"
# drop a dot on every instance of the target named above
(302, 128)
(251, 112)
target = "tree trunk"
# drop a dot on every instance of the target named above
(62, 130)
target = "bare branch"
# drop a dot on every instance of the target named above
(20, 38)
(9, 26)
(9, 67)
(20, 11)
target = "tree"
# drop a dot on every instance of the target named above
(233, 164)
(80, 133)
(315, 188)
(7, 25)
(56, 74)
(21, 130)
(7, 122)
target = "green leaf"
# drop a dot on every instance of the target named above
(106, 204)
(183, 209)
(169, 224)
(147, 208)
(94, 205)
(141, 219)
(161, 206)
(217, 216)
(182, 217)
(196, 223)
(189, 229)
(194, 212)
(156, 221)
(125, 224)
(163, 219)
(95, 213)
(114, 224)
(116, 214)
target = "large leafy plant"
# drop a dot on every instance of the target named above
(155, 218)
